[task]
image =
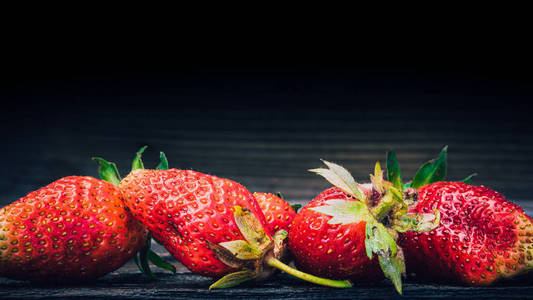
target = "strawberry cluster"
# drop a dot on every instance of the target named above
(351, 232)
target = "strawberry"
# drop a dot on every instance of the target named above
(337, 234)
(109, 172)
(330, 250)
(72, 229)
(278, 212)
(214, 226)
(183, 208)
(482, 237)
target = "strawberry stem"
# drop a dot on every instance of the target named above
(274, 262)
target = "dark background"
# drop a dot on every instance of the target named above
(264, 118)
(263, 105)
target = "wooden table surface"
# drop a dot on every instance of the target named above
(128, 283)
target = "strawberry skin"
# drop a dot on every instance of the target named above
(187, 210)
(75, 228)
(278, 213)
(332, 251)
(481, 238)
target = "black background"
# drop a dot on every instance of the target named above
(262, 112)
(261, 105)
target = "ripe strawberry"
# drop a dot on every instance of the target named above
(330, 250)
(109, 172)
(184, 209)
(72, 229)
(214, 226)
(278, 212)
(481, 238)
(337, 233)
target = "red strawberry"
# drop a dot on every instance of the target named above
(481, 238)
(337, 233)
(214, 226)
(74, 228)
(278, 212)
(184, 209)
(331, 250)
(109, 172)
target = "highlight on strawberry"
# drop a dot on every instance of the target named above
(481, 239)
(75, 228)
(350, 231)
(213, 226)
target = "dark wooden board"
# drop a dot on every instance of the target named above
(128, 283)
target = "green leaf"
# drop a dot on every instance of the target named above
(432, 171)
(143, 259)
(393, 268)
(137, 162)
(251, 229)
(158, 261)
(233, 279)
(296, 207)
(241, 249)
(377, 179)
(469, 178)
(279, 195)
(396, 193)
(407, 185)
(225, 256)
(394, 174)
(107, 170)
(343, 211)
(378, 239)
(163, 165)
(341, 178)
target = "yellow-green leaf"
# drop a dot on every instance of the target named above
(343, 211)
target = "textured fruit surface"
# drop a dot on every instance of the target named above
(185, 210)
(278, 212)
(481, 238)
(74, 228)
(332, 251)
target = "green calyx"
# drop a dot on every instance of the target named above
(257, 255)
(430, 172)
(383, 209)
(108, 171)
